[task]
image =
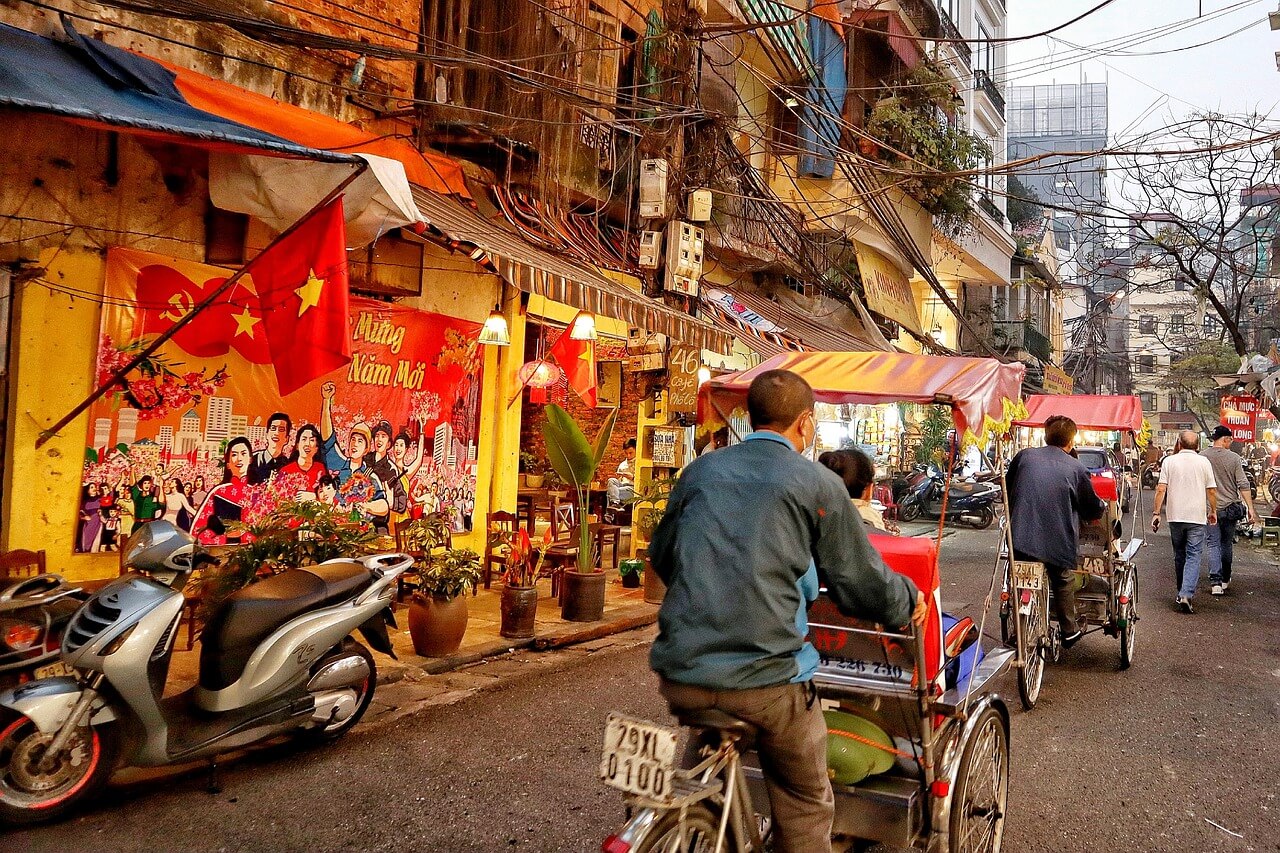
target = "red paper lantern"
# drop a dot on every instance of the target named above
(539, 374)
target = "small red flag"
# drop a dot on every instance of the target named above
(578, 360)
(302, 287)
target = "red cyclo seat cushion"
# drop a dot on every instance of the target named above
(917, 558)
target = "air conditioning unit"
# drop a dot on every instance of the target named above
(653, 188)
(650, 249)
(684, 258)
(700, 206)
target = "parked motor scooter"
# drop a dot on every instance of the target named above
(973, 504)
(33, 614)
(277, 657)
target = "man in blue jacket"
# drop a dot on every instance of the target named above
(747, 534)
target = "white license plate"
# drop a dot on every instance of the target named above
(53, 670)
(1028, 575)
(639, 757)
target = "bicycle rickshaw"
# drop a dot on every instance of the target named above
(1107, 595)
(945, 734)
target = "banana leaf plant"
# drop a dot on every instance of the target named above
(576, 460)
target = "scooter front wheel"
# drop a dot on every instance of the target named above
(33, 791)
(909, 510)
(363, 694)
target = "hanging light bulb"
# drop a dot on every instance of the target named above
(704, 375)
(584, 327)
(495, 332)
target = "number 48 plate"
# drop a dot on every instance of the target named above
(639, 757)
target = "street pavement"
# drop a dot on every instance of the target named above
(1176, 754)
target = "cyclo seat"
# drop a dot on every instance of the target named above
(715, 719)
(250, 615)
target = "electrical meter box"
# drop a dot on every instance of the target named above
(700, 206)
(684, 257)
(650, 249)
(653, 189)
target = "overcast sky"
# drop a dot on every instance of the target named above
(1236, 73)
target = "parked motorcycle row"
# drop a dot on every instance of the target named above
(278, 658)
(920, 495)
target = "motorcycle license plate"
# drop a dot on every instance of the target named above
(53, 670)
(639, 757)
(1027, 575)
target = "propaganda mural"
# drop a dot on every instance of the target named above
(199, 433)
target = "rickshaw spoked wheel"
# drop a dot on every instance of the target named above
(1036, 646)
(980, 790)
(1128, 625)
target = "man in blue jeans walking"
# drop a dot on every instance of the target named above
(1186, 480)
(1235, 503)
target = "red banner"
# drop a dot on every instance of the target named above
(1240, 415)
(200, 434)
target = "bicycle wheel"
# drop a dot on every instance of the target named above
(695, 834)
(1128, 618)
(981, 788)
(1033, 630)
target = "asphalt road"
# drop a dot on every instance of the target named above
(1110, 761)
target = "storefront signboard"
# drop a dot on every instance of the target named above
(1240, 415)
(682, 378)
(1057, 381)
(666, 447)
(887, 289)
(200, 430)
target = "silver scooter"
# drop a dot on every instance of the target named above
(276, 658)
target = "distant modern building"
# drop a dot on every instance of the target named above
(218, 422)
(164, 438)
(126, 426)
(102, 432)
(258, 435)
(188, 437)
(240, 426)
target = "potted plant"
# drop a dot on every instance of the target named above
(648, 506)
(522, 564)
(631, 571)
(575, 460)
(438, 609)
(533, 469)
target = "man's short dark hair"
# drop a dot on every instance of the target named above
(281, 416)
(854, 467)
(777, 398)
(628, 444)
(1059, 430)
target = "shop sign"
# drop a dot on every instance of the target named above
(682, 378)
(1240, 415)
(726, 302)
(205, 412)
(1057, 381)
(666, 447)
(887, 290)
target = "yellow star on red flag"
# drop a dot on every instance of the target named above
(310, 293)
(245, 321)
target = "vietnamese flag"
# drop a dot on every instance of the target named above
(578, 360)
(302, 287)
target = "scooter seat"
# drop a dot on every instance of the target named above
(250, 615)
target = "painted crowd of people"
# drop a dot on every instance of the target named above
(381, 474)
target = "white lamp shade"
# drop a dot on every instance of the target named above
(584, 327)
(495, 332)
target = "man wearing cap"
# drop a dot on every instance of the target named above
(1235, 503)
(345, 466)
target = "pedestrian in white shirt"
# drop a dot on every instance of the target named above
(1186, 480)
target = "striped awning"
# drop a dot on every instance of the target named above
(784, 28)
(771, 328)
(536, 270)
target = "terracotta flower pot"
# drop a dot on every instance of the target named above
(654, 589)
(519, 607)
(583, 597)
(437, 624)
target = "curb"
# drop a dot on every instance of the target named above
(591, 631)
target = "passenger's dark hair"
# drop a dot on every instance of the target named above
(1059, 430)
(854, 467)
(777, 398)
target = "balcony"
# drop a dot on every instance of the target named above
(951, 31)
(982, 79)
(989, 208)
(1022, 335)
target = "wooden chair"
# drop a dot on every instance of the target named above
(610, 534)
(563, 516)
(21, 563)
(495, 554)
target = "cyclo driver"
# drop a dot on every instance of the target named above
(748, 533)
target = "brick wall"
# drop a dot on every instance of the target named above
(634, 387)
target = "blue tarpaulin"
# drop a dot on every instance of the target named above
(824, 105)
(93, 83)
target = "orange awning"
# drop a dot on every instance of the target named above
(1090, 411)
(433, 171)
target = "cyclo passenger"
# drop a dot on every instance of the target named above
(1050, 493)
(748, 534)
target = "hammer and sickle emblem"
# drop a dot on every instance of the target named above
(180, 304)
